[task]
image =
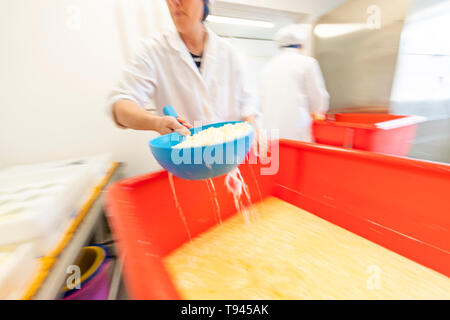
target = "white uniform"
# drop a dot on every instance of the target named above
(165, 71)
(292, 87)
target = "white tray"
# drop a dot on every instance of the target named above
(36, 205)
(17, 267)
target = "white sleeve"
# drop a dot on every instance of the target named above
(138, 82)
(317, 93)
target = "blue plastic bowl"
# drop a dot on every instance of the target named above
(204, 162)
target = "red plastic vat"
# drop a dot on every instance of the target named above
(401, 204)
(384, 133)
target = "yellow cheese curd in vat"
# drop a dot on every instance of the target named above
(288, 253)
(212, 135)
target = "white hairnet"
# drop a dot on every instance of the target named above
(294, 34)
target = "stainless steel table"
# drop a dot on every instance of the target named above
(92, 225)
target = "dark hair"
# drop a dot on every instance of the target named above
(205, 9)
(293, 46)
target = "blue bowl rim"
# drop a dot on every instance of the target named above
(206, 146)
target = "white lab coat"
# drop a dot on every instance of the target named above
(164, 71)
(292, 87)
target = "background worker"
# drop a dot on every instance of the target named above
(292, 89)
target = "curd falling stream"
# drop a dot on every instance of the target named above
(213, 196)
(179, 209)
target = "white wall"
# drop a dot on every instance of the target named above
(316, 7)
(423, 66)
(56, 74)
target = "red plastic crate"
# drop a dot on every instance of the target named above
(384, 133)
(399, 203)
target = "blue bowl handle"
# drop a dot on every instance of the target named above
(170, 111)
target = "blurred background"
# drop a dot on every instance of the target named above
(60, 59)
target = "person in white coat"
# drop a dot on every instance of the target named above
(292, 89)
(191, 69)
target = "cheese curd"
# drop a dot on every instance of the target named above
(212, 135)
(289, 253)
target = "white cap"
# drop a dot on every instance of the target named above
(294, 34)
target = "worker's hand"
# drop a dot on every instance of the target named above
(167, 124)
(256, 137)
(256, 141)
(184, 122)
(318, 116)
